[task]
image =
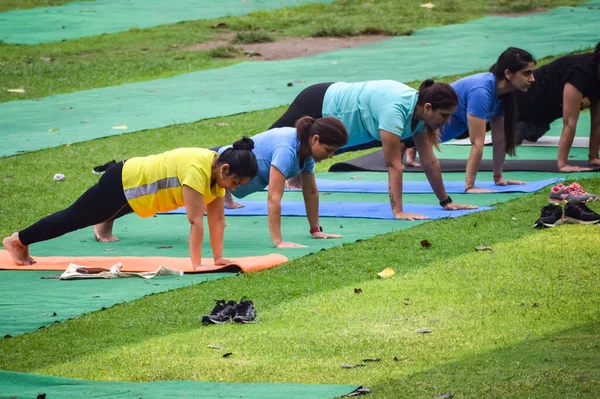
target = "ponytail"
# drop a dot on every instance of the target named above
(513, 59)
(240, 158)
(441, 96)
(331, 131)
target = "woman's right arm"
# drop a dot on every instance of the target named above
(393, 150)
(194, 208)
(276, 188)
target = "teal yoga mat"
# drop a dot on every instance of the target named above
(26, 386)
(90, 18)
(28, 302)
(31, 125)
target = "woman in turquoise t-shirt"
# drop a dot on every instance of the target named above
(385, 113)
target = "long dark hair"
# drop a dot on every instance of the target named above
(331, 131)
(512, 59)
(441, 96)
(240, 158)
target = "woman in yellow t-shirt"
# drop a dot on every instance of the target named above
(192, 177)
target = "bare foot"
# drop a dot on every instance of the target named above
(18, 251)
(230, 203)
(103, 232)
(294, 183)
(410, 158)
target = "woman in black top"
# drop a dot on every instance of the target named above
(562, 89)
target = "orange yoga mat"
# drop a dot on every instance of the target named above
(145, 264)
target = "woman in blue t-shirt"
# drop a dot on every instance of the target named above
(282, 153)
(490, 98)
(385, 114)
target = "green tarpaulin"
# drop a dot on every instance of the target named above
(91, 18)
(28, 386)
(31, 125)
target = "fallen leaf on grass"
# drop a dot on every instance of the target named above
(47, 59)
(483, 248)
(120, 127)
(16, 90)
(351, 366)
(222, 124)
(219, 25)
(386, 273)
(357, 291)
(428, 5)
(448, 395)
(215, 346)
(425, 244)
(371, 360)
(423, 330)
(227, 354)
(514, 218)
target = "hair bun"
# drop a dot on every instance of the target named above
(244, 144)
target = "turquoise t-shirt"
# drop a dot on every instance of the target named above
(276, 147)
(365, 108)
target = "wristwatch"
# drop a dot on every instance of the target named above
(446, 201)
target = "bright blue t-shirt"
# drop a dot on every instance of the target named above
(276, 147)
(365, 108)
(477, 96)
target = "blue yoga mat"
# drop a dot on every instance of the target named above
(366, 210)
(423, 187)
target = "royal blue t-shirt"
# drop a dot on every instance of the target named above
(477, 96)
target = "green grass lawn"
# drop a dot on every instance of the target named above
(521, 321)
(146, 54)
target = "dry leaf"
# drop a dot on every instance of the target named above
(222, 124)
(351, 366)
(428, 5)
(227, 354)
(357, 291)
(386, 273)
(448, 395)
(215, 346)
(16, 90)
(120, 127)
(425, 244)
(483, 248)
(47, 59)
(423, 330)
(219, 25)
(514, 218)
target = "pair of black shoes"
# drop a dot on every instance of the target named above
(574, 213)
(226, 311)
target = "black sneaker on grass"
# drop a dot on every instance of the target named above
(245, 312)
(551, 216)
(578, 213)
(221, 313)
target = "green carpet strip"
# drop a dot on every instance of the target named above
(91, 18)
(21, 386)
(31, 125)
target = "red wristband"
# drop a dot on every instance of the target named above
(315, 229)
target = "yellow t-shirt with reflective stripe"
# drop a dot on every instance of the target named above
(154, 183)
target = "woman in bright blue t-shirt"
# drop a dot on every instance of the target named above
(490, 98)
(282, 153)
(385, 113)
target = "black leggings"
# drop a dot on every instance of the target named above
(102, 202)
(308, 103)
